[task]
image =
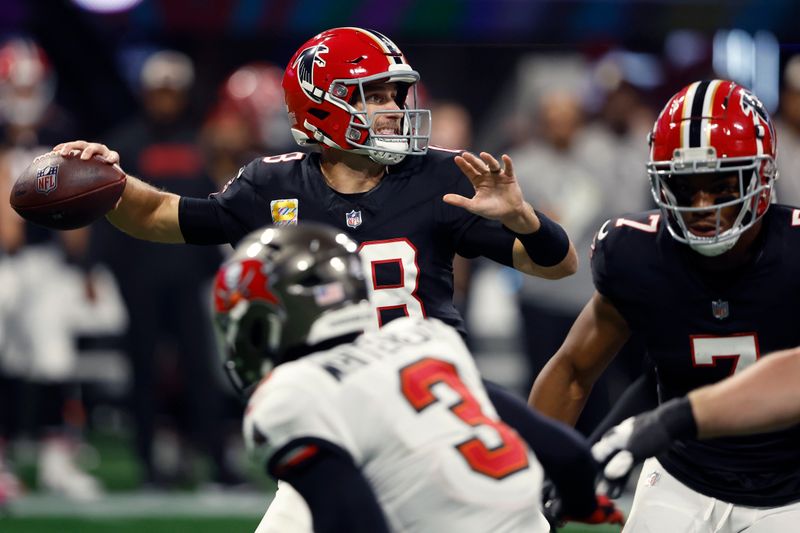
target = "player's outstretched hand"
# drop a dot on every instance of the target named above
(640, 437)
(627, 444)
(85, 150)
(497, 192)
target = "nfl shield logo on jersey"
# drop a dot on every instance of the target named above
(720, 309)
(652, 479)
(353, 219)
(46, 181)
(284, 212)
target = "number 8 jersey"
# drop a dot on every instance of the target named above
(699, 328)
(408, 235)
(407, 404)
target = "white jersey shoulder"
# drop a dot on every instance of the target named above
(407, 404)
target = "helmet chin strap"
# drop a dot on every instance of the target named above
(713, 249)
(388, 158)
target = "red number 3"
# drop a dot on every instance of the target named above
(417, 380)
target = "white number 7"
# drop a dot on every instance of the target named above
(742, 349)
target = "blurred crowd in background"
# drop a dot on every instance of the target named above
(100, 332)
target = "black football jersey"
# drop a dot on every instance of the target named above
(408, 235)
(701, 328)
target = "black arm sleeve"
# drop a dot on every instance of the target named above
(640, 396)
(487, 238)
(338, 494)
(199, 221)
(563, 452)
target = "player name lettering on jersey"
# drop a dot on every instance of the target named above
(340, 363)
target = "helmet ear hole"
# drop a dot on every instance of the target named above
(318, 113)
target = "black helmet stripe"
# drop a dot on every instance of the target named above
(393, 51)
(695, 127)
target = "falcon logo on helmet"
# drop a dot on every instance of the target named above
(304, 64)
(751, 105)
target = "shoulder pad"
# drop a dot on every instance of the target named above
(623, 247)
(637, 225)
(292, 403)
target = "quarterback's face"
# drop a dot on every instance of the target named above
(382, 97)
(707, 191)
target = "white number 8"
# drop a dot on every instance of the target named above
(402, 294)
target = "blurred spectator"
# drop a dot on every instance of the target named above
(451, 128)
(787, 125)
(248, 121)
(620, 133)
(228, 142)
(574, 175)
(174, 385)
(255, 91)
(47, 300)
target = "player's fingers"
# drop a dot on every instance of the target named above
(466, 166)
(456, 200)
(619, 466)
(613, 440)
(71, 148)
(478, 164)
(93, 149)
(492, 164)
(112, 157)
(508, 165)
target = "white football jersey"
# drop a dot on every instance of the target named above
(407, 403)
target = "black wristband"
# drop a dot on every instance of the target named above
(678, 418)
(548, 245)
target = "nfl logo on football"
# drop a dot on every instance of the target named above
(353, 219)
(46, 179)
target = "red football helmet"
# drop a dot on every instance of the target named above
(326, 76)
(27, 82)
(254, 91)
(713, 126)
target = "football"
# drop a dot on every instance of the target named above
(66, 192)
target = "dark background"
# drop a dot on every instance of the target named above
(465, 49)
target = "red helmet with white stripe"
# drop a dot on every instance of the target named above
(713, 126)
(325, 80)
